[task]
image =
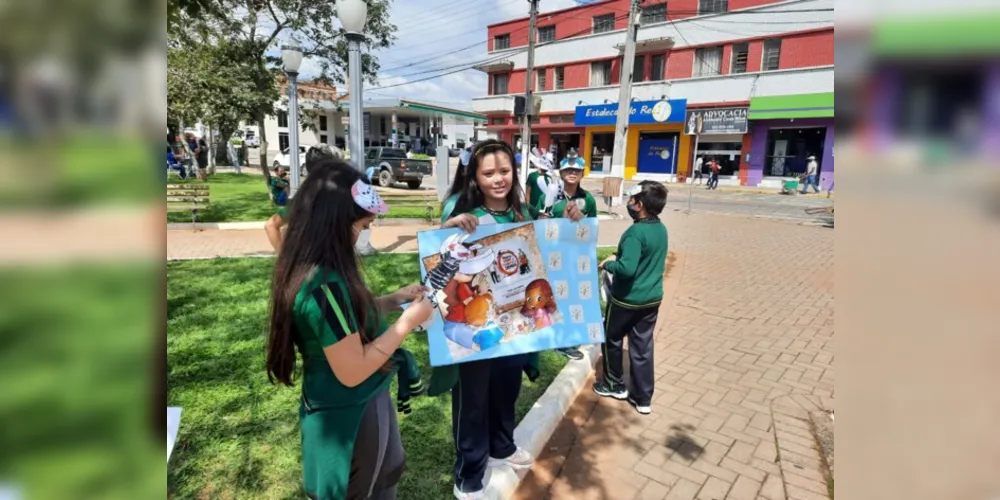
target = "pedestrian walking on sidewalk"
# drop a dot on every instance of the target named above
(810, 176)
(713, 174)
(634, 303)
(699, 164)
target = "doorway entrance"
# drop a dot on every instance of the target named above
(789, 148)
(565, 142)
(657, 153)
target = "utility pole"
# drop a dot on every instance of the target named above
(529, 107)
(625, 93)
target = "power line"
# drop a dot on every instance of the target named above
(467, 66)
(463, 67)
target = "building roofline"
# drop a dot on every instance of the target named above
(540, 14)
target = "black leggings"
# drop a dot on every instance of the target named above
(378, 459)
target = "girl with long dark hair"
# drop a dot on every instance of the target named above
(321, 306)
(484, 392)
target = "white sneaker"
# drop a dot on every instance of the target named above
(520, 459)
(471, 495)
(645, 410)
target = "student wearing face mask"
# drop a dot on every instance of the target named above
(634, 302)
(322, 308)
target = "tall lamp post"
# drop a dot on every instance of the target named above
(291, 59)
(353, 14)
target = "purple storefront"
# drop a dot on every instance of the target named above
(785, 132)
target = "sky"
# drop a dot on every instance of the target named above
(426, 31)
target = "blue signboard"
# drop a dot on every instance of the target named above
(511, 288)
(657, 156)
(668, 111)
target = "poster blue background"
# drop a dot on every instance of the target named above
(564, 334)
(607, 114)
(649, 160)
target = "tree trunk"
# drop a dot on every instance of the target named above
(263, 150)
(211, 150)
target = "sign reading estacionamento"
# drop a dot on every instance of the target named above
(716, 121)
(666, 111)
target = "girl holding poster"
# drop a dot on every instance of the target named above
(484, 392)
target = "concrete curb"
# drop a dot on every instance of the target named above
(803, 470)
(541, 421)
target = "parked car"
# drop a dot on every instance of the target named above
(285, 160)
(392, 166)
(251, 139)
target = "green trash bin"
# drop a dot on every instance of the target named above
(792, 185)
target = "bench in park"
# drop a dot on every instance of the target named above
(185, 197)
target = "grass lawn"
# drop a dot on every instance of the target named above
(78, 358)
(244, 198)
(239, 435)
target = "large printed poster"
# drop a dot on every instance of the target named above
(511, 288)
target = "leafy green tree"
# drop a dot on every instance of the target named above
(246, 36)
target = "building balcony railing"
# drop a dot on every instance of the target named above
(699, 90)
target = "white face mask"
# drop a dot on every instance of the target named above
(362, 236)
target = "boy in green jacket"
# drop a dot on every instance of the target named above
(635, 298)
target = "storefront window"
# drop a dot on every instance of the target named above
(789, 148)
(517, 141)
(726, 153)
(600, 156)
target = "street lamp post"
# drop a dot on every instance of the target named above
(291, 58)
(353, 14)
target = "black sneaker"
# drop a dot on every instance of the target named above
(645, 410)
(603, 388)
(571, 353)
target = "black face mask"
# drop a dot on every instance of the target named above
(633, 213)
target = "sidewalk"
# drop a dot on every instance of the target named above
(742, 326)
(187, 244)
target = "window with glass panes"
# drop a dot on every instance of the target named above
(546, 34)
(712, 6)
(604, 23)
(283, 119)
(500, 84)
(560, 78)
(282, 141)
(708, 61)
(653, 14)
(639, 69)
(600, 73)
(322, 123)
(501, 42)
(540, 86)
(656, 69)
(772, 54)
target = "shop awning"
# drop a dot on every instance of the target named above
(792, 106)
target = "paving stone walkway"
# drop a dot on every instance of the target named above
(748, 320)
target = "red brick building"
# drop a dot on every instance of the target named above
(695, 55)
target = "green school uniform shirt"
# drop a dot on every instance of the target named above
(278, 190)
(582, 197)
(329, 412)
(638, 268)
(444, 378)
(537, 197)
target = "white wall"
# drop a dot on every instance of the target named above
(740, 87)
(307, 138)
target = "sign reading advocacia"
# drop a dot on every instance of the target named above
(665, 111)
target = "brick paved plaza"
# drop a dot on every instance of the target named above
(749, 320)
